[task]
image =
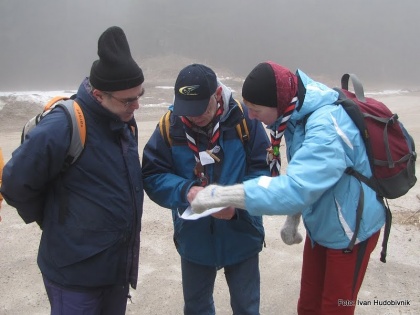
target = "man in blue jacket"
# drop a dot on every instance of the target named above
(90, 214)
(206, 149)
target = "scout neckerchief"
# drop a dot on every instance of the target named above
(193, 143)
(273, 157)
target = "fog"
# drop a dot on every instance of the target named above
(47, 44)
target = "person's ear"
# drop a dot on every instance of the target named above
(218, 93)
(98, 95)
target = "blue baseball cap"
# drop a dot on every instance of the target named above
(194, 87)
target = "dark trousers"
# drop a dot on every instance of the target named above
(243, 280)
(331, 279)
(108, 301)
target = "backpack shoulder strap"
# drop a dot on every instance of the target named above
(164, 124)
(358, 118)
(242, 127)
(74, 114)
(54, 101)
(78, 133)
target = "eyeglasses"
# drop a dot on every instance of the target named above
(128, 101)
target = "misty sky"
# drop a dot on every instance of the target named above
(46, 44)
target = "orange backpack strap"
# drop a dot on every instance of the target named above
(52, 102)
(242, 127)
(164, 124)
(78, 124)
(80, 120)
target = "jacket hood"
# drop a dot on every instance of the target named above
(311, 96)
(226, 95)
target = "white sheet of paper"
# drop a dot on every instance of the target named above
(190, 215)
(205, 158)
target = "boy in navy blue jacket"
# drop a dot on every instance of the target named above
(206, 149)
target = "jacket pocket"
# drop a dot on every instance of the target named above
(71, 245)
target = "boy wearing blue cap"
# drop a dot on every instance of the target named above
(206, 149)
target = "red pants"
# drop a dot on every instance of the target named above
(331, 279)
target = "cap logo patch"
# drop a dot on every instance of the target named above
(189, 90)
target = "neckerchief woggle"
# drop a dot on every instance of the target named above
(276, 133)
(192, 141)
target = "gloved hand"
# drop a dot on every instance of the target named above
(214, 196)
(289, 232)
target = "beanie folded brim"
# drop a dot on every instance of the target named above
(107, 83)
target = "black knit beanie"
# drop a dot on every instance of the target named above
(116, 69)
(260, 86)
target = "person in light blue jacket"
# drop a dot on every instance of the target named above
(322, 142)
